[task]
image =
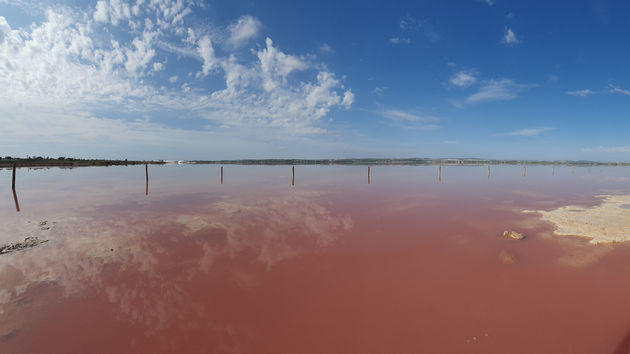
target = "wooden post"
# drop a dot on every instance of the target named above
(524, 170)
(488, 172)
(293, 176)
(553, 170)
(221, 174)
(368, 174)
(440, 174)
(17, 204)
(13, 181)
(146, 173)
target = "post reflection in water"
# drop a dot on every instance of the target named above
(15, 198)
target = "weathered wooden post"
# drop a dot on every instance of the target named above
(524, 169)
(488, 172)
(146, 173)
(13, 180)
(440, 174)
(221, 174)
(368, 174)
(293, 176)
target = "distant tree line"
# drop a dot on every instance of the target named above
(34, 161)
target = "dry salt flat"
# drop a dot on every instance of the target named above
(608, 222)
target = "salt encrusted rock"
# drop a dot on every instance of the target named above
(28, 242)
(513, 235)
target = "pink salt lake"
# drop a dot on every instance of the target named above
(406, 264)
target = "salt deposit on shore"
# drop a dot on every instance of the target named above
(608, 222)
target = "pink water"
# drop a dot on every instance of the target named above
(406, 264)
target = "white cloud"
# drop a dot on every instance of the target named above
(581, 93)
(275, 64)
(246, 28)
(141, 54)
(81, 69)
(496, 90)
(191, 36)
(348, 99)
(410, 24)
(326, 49)
(112, 11)
(169, 14)
(489, 2)
(5, 29)
(173, 79)
(206, 51)
(528, 131)
(509, 37)
(464, 78)
(379, 90)
(608, 149)
(397, 40)
(615, 89)
(157, 66)
(410, 121)
(398, 115)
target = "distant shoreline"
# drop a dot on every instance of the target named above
(402, 162)
(70, 162)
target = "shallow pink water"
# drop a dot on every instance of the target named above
(405, 264)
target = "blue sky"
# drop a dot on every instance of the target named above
(160, 79)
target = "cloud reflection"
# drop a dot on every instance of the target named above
(276, 228)
(145, 264)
